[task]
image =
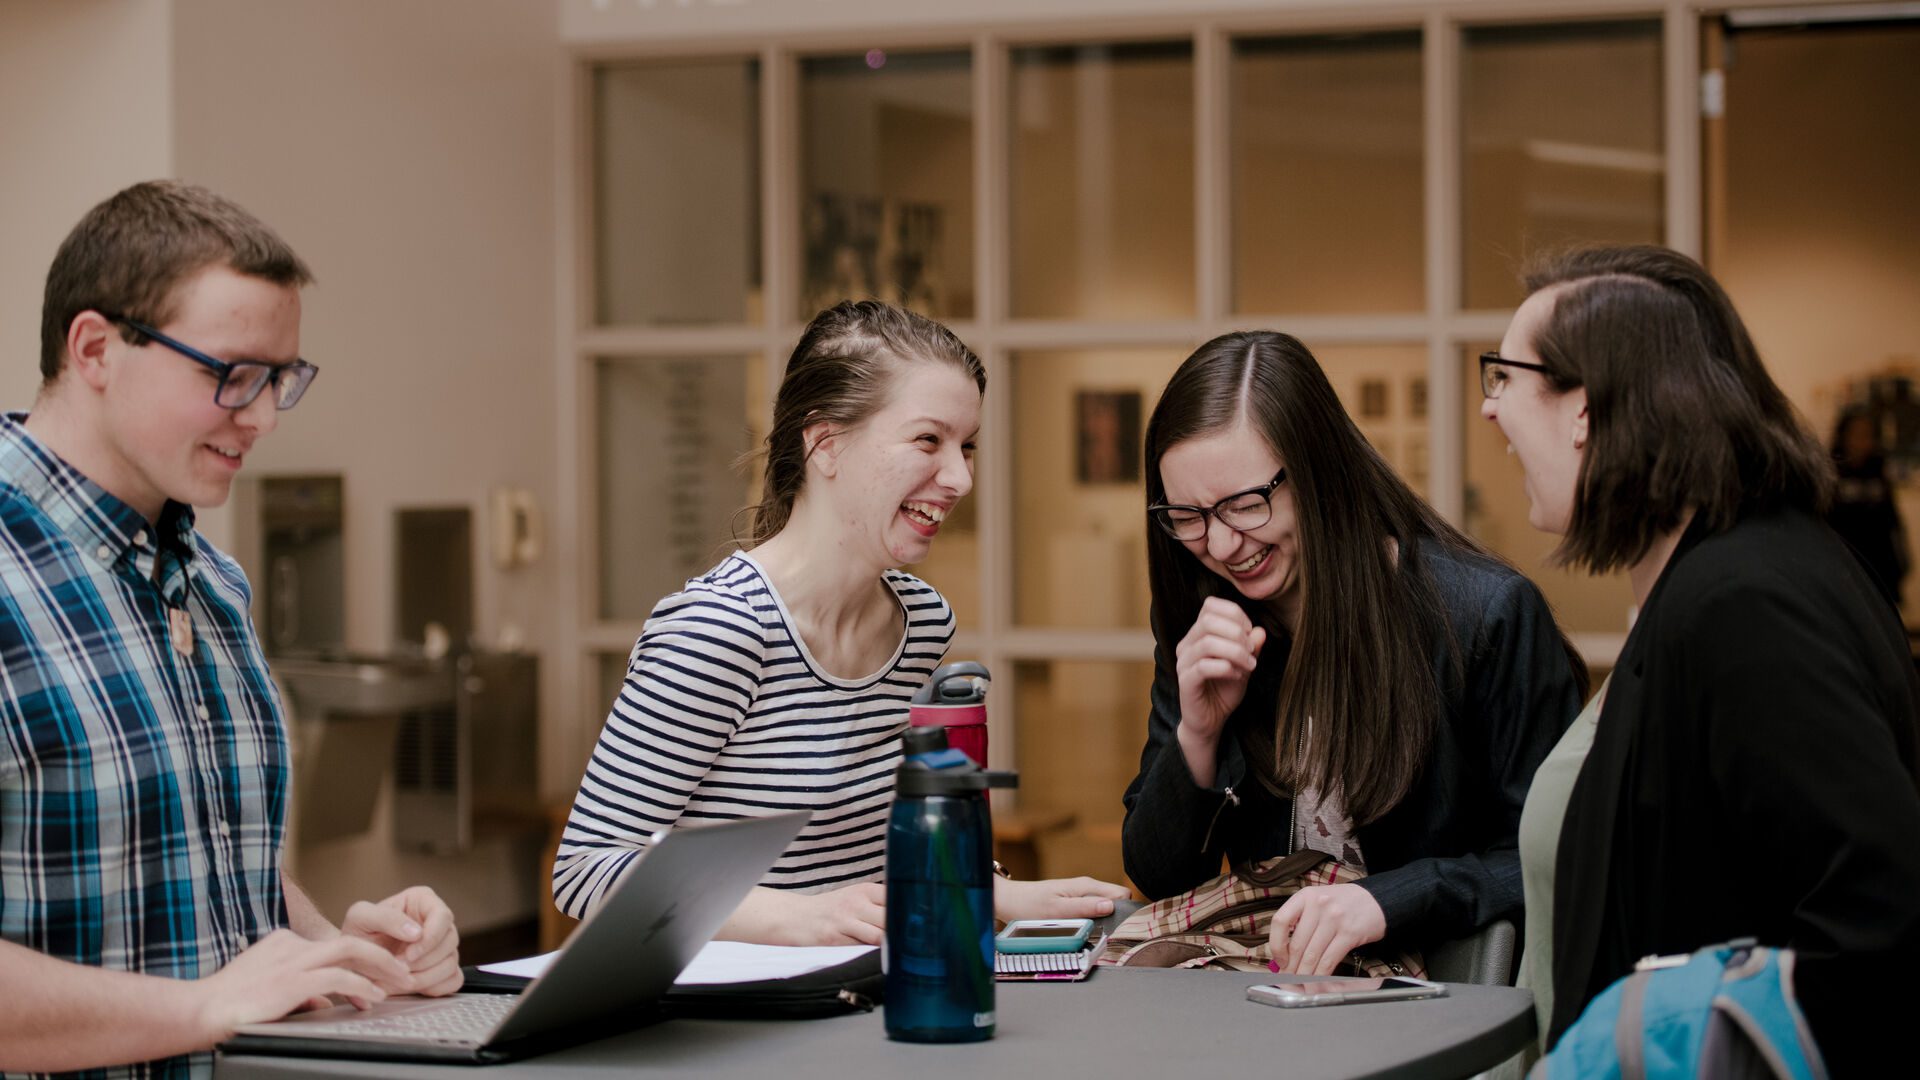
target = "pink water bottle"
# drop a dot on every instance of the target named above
(956, 699)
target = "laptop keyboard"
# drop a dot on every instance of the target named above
(464, 1018)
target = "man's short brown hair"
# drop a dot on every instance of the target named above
(129, 255)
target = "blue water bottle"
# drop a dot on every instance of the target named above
(939, 943)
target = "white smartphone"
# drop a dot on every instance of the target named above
(1314, 992)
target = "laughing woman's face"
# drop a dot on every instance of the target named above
(1262, 562)
(1546, 429)
(902, 471)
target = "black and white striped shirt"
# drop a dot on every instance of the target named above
(725, 714)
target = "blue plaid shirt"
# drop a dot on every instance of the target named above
(142, 792)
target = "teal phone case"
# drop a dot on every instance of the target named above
(1063, 944)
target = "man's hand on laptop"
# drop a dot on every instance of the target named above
(416, 926)
(284, 973)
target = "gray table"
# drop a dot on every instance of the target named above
(1119, 1023)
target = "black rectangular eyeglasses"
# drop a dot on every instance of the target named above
(1493, 379)
(1239, 511)
(240, 380)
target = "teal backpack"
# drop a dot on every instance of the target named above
(1728, 1010)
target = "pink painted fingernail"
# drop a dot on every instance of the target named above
(1273, 966)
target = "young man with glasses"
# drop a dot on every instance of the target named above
(143, 759)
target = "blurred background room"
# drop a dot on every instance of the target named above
(563, 247)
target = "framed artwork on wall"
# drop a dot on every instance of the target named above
(1107, 436)
(1373, 399)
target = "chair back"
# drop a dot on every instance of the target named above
(1484, 958)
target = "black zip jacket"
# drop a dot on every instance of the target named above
(1445, 861)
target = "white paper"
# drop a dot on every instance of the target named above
(529, 968)
(722, 962)
(737, 961)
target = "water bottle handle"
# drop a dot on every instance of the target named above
(949, 672)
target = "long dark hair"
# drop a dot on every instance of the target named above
(1360, 664)
(839, 374)
(1681, 412)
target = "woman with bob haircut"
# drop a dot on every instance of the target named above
(1336, 667)
(780, 679)
(1752, 770)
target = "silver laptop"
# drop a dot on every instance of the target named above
(608, 977)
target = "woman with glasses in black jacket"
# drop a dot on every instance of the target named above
(1753, 769)
(1336, 668)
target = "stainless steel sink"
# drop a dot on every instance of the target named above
(347, 711)
(363, 685)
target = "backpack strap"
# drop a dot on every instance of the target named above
(1757, 995)
(1726, 1010)
(1630, 1029)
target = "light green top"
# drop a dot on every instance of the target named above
(1540, 820)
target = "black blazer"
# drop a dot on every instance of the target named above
(1444, 861)
(1752, 775)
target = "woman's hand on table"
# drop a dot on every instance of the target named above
(852, 915)
(1058, 898)
(1319, 925)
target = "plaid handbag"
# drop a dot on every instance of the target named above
(1222, 924)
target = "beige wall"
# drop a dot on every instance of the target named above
(406, 150)
(83, 113)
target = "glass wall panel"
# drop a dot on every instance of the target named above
(1079, 514)
(1496, 515)
(676, 192)
(1327, 145)
(1082, 726)
(1102, 184)
(1384, 389)
(1564, 145)
(886, 149)
(668, 432)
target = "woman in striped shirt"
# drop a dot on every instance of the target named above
(780, 679)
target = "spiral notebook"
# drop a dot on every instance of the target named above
(1046, 967)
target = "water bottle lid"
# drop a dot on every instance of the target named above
(915, 782)
(925, 740)
(946, 772)
(964, 683)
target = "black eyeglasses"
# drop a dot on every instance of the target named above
(240, 380)
(1240, 511)
(1492, 379)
